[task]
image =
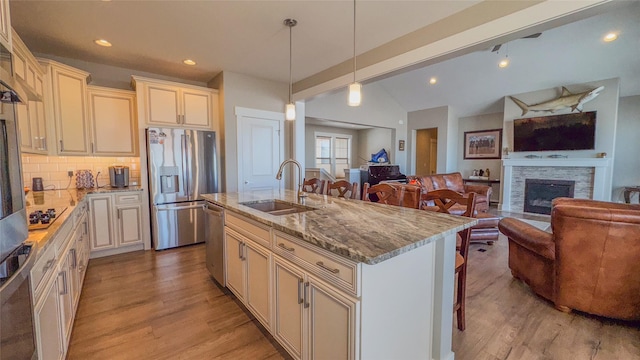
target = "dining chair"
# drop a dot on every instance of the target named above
(343, 188)
(314, 185)
(446, 201)
(385, 193)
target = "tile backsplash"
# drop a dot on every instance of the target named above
(53, 169)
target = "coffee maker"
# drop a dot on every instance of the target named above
(119, 176)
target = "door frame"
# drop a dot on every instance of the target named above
(241, 113)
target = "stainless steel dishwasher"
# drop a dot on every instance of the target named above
(214, 239)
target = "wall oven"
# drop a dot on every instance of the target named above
(17, 340)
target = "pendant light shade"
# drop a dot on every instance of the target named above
(355, 88)
(290, 108)
(355, 94)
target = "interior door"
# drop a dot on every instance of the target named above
(260, 150)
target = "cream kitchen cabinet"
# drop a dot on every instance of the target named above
(67, 104)
(115, 223)
(5, 24)
(113, 125)
(49, 324)
(31, 115)
(248, 274)
(163, 103)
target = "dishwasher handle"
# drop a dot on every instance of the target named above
(214, 211)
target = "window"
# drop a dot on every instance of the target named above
(333, 152)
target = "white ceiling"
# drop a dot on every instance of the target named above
(248, 37)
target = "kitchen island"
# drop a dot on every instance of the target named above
(338, 278)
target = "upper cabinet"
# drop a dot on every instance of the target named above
(69, 108)
(114, 130)
(5, 24)
(31, 117)
(164, 103)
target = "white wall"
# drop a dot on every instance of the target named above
(606, 104)
(626, 167)
(377, 109)
(310, 143)
(372, 141)
(249, 92)
(443, 118)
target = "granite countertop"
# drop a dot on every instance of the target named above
(358, 230)
(70, 199)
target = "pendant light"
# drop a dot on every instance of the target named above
(355, 88)
(290, 109)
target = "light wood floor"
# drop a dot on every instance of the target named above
(163, 305)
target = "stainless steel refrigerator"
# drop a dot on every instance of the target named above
(182, 166)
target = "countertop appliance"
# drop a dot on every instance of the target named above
(214, 237)
(40, 219)
(182, 166)
(17, 339)
(119, 176)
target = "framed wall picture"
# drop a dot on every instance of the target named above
(483, 144)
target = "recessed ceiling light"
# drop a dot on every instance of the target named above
(503, 63)
(610, 37)
(102, 42)
(433, 80)
(189, 62)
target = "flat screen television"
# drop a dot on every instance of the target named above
(558, 132)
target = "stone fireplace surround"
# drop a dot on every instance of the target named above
(588, 173)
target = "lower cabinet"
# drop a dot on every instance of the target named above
(312, 320)
(248, 274)
(57, 280)
(48, 324)
(115, 223)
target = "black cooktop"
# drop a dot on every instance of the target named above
(43, 218)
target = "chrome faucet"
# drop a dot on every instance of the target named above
(301, 193)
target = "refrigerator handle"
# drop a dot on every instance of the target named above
(189, 160)
(185, 170)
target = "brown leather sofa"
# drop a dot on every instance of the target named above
(589, 263)
(453, 181)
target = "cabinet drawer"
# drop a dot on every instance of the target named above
(339, 272)
(62, 237)
(254, 231)
(41, 270)
(128, 198)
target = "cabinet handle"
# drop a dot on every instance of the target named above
(64, 282)
(240, 250)
(306, 294)
(282, 245)
(47, 266)
(300, 296)
(177, 119)
(92, 147)
(44, 142)
(118, 213)
(75, 259)
(322, 265)
(61, 146)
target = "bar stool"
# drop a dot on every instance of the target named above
(386, 193)
(344, 189)
(314, 185)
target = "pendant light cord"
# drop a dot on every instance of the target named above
(354, 41)
(290, 78)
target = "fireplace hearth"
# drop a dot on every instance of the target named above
(539, 193)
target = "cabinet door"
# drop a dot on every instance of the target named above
(288, 299)
(234, 263)
(196, 108)
(66, 297)
(24, 124)
(48, 325)
(162, 105)
(257, 297)
(5, 24)
(101, 235)
(113, 124)
(129, 226)
(69, 91)
(332, 322)
(37, 123)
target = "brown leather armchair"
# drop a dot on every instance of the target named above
(591, 261)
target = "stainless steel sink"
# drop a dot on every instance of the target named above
(277, 207)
